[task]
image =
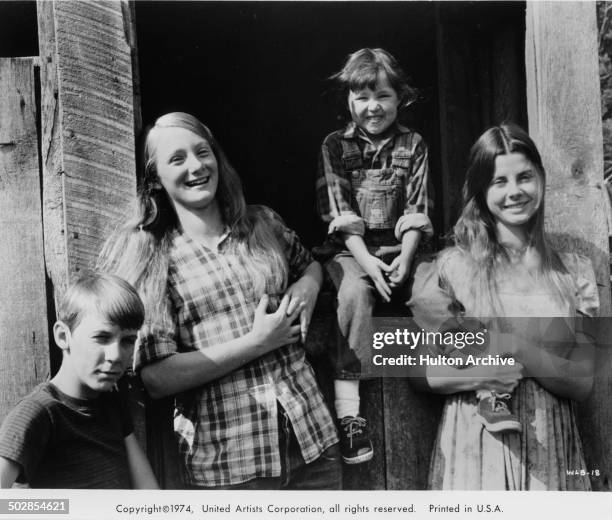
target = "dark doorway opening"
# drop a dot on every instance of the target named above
(255, 73)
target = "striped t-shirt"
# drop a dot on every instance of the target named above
(62, 442)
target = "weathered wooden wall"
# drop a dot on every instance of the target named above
(87, 129)
(24, 341)
(565, 121)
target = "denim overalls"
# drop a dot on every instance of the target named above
(379, 198)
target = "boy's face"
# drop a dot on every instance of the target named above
(374, 110)
(97, 351)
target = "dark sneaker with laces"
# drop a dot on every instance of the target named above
(494, 413)
(355, 443)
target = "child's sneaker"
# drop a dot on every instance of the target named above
(495, 415)
(355, 443)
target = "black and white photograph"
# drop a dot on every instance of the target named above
(326, 247)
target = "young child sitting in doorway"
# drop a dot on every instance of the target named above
(372, 188)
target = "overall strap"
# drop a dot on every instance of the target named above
(351, 155)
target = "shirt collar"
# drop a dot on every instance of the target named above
(352, 130)
(186, 236)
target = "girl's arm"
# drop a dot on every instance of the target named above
(449, 380)
(570, 377)
(187, 370)
(305, 290)
(141, 474)
(9, 471)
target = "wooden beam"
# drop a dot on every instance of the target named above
(24, 341)
(87, 129)
(563, 102)
(411, 423)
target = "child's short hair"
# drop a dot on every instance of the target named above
(363, 68)
(106, 294)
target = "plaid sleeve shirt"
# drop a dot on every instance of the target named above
(348, 156)
(227, 429)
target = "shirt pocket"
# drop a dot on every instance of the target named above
(380, 198)
(401, 160)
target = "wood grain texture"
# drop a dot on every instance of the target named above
(24, 341)
(410, 423)
(56, 256)
(563, 97)
(89, 124)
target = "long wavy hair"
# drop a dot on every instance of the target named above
(138, 251)
(475, 232)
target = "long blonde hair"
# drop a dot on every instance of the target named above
(475, 232)
(138, 251)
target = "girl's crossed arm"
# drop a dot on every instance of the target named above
(185, 370)
(568, 376)
(305, 291)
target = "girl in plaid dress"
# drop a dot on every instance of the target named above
(224, 285)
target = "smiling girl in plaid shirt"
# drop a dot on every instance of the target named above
(223, 284)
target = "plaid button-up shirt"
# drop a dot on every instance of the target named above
(363, 187)
(228, 429)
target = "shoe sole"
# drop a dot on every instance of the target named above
(501, 426)
(359, 459)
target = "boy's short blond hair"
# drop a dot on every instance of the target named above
(106, 294)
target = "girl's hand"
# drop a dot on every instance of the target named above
(275, 330)
(304, 292)
(376, 269)
(400, 270)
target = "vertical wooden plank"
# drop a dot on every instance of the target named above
(88, 128)
(24, 358)
(56, 257)
(411, 422)
(129, 16)
(563, 99)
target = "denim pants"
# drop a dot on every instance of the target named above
(322, 473)
(351, 354)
